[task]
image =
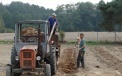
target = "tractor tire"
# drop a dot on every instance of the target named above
(53, 61)
(13, 61)
(47, 70)
(13, 55)
(16, 74)
(8, 71)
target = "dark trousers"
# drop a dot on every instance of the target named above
(80, 58)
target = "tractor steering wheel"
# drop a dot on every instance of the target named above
(32, 39)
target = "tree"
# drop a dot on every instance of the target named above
(112, 13)
(2, 25)
(78, 17)
(71, 17)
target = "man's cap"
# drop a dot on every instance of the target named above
(53, 14)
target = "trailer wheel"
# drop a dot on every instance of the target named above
(8, 71)
(53, 61)
(47, 70)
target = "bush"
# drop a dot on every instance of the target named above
(62, 35)
(2, 30)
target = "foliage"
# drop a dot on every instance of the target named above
(3, 30)
(2, 25)
(79, 17)
(71, 17)
(18, 11)
(111, 12)
(6, 42)
(62, 35)
(96, 43)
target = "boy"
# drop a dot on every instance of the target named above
(81, 53)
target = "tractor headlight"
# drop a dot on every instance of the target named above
(38, 58)
(16, 58)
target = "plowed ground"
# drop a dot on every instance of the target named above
(101, 60)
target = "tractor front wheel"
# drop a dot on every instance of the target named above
(47, 70)
(8, 71)
(14, 63)
(13, 55)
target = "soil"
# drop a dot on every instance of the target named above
(100, 60)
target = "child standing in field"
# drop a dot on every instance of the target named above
(81, 53)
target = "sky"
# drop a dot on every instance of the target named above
(51, 3)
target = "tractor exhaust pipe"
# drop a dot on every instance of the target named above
(39, 50)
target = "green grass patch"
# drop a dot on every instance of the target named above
(74, 43)
(92, 43)
(95, 43)
(6, 42)
(69, 43)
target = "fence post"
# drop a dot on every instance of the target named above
(97, 36)
(115, 36)
(115, 32)
(78, 33)
(5, 36)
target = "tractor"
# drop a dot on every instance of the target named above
(34, 49)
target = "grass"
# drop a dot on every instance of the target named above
(74, 43)
(6, 42)
(92, 43)
(96, 43)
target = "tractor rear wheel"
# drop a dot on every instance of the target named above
(47, 70)
(53, 61)
(8, 71)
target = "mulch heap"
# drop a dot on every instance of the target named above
(67, 63)
(30, 31)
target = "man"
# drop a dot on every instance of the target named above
(51, 21)
(81, 53)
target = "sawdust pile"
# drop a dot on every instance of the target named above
(68, 61)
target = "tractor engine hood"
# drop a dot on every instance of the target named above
(29, 47)
(33, 47)
(25, 47)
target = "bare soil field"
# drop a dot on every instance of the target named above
(4, 57)
(71, 36)
(6, 36)
(100, 60)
